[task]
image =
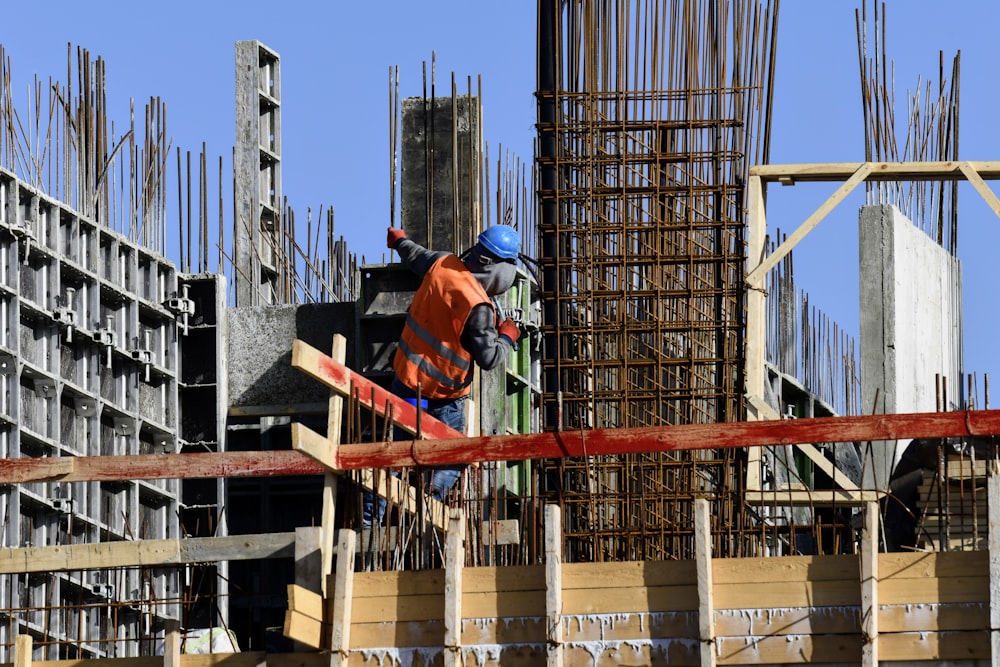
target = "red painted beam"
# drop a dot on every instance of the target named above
(277, 463)
(668, 438)
(271, 463)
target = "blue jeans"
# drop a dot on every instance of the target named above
(437, 481)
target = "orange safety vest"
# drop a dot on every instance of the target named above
(430, 352)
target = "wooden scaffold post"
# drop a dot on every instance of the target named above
(553, 585)
(869, 586)
(454, 562)
(706, 602)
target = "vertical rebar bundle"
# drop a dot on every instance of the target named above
(931, 133)
(66, 145)
(650, 115)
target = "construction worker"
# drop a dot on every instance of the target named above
(451, 324)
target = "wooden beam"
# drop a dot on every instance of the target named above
(172, 640)
(201, 465)
(706, 602)
(304, 617)
(65, 558)
(343, 599)
(993, 504)
(668, 438)
(812, 497)
(756, 331)
(880, 171)
(330, 480)
(756, 276)
(826, 465)
(869, 586)
(342, 380)
(22, 651)
(453, 566)
(969, 170)
(274, 463)
(553, 585)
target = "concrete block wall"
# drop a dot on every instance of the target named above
(88, 366)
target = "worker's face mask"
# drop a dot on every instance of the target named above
(495, 276)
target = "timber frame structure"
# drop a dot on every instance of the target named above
(851, 175)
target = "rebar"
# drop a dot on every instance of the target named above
(650, 114)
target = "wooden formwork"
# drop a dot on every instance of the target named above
(786, 610)
(865, 608)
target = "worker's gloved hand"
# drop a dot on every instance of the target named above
(393, 237)
(508, 329)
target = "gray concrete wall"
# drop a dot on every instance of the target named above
(260, 351)
(911, 305)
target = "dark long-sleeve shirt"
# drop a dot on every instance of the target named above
(479, 335)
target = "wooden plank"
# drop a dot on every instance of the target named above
(812, 497)
(343, 380)
(306, 602)
(685, 437)
(477, 631)
(789, 650)
(172, 638)
(553, 585)
(936, 646)
(869, 586)
(756, 324)
(243, 659)
(22, 651)
(826, 465)
(343, 599)
(787, 621)
(431, 582)
(969, 171)
(454, 564)
(201, 465)
(790, 624)
(305, 629)
(330, 480)
(922, 565)
(993, 487)
(273, 463)
(596, 576)
(881, 171)
(932, 618)
(706, 600)
(785, 569)
(750, 594)
(64, 558)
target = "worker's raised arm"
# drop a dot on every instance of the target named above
(418, 258)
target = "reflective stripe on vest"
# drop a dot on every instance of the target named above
(430, 351)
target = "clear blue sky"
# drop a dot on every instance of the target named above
(335, 63)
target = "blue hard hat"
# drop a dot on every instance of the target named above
(502, 241)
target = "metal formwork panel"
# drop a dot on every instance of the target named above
(88, 366)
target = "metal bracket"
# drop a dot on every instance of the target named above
(181, 306)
